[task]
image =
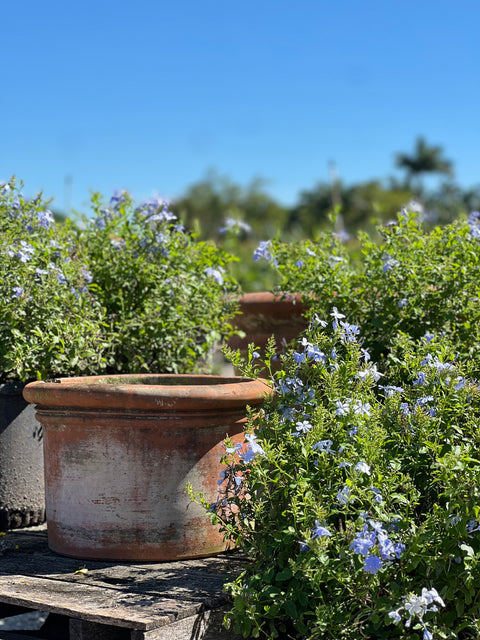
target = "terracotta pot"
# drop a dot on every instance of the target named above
(119, 452)
(22, 495)
(265, 314)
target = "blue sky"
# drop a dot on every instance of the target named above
(149, 95)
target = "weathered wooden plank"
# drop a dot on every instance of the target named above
(196, 582)
(105, 606)
(113, 600)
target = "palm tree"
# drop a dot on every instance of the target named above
(425, 159)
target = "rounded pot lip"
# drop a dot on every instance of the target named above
(263, 301)
(158, 392)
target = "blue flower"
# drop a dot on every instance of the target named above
(389, 263)
(319, 531)
(424, 400)
(215, 274)
(60, 277)
(362, 467)
(45, 218)
(363, 542)
(343, 496)
(336, 317)
(253, 449)
(439, 365)
(24, 254)
(298, 357)
(421, 378)
(324, 446)
(343, 408)
(350, 331)
(18, 291)
(223, 477)
(87, 276)
(314, 353)
(416, 607)
(365, 354)
(233, 449)
(404, 408)
(263, 251)
(372, 564)
(474, 224)
(303, 427)
(369, 372)
(361, 408)
(390, 390)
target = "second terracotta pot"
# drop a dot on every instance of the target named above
(119, 452)
(264, 314)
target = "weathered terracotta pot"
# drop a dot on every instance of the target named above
(264, 314)
(119, 452)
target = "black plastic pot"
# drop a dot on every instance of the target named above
(22, 486)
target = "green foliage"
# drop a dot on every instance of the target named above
(357, 501)
(167, 297)
(360, 205)
(130, 291)
(414, 282)
(209, 203)
(50, 324)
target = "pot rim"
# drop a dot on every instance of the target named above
(282, 304)
(158, 392)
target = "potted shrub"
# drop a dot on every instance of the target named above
(410, 280)
(129, 291)
(50, 326)
(120, 448)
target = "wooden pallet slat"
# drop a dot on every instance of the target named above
(114, 601)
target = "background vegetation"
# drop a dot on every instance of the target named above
(238, 218)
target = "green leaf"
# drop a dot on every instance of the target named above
(283, 575)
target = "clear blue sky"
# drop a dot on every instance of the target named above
(147, 95)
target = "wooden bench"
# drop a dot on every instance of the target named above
(110, 601)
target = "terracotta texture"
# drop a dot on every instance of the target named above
(264, 314)
(119, 451)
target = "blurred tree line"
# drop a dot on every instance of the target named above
(213, 204)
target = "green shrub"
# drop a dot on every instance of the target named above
(50, 325)
(357, 500)
(167, 297)
(413, 282)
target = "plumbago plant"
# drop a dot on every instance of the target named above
(166, 296)
(50, 325)
(412, 282)
(357, 500)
